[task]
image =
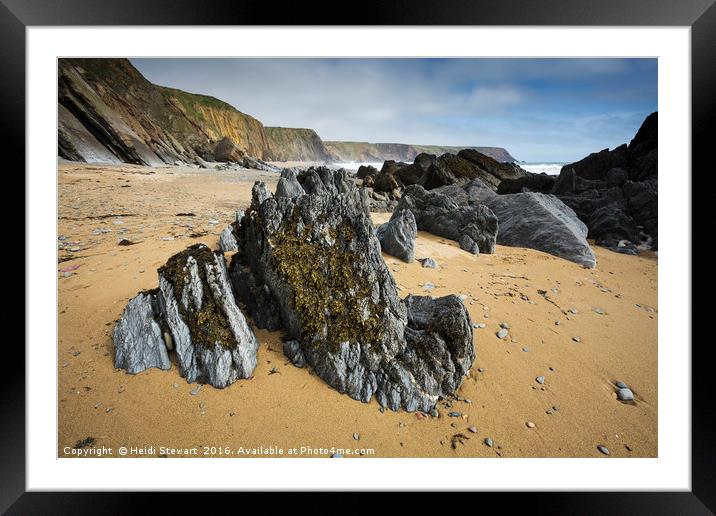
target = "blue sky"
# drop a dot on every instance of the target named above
(538, 109)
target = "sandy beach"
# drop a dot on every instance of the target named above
(546, 301)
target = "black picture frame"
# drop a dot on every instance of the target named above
(700, 15)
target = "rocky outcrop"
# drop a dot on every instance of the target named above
(318, 257)
(614, 192)
(227, 240)
(474, 227)
(430, 171)
(193, 312)
(543, 222)
(291, 144)
(288, 185)
(397, 236)
(377, 152)
(139, 342)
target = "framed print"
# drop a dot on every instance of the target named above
(424, 251)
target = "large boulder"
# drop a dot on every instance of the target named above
(397, 236)
(226, 150)
(543, 222)
(139, 342)
(213, 341)
(474, 227)
(319, 258)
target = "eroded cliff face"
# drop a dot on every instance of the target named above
(367, 152)
(291, 144)
(109, 112)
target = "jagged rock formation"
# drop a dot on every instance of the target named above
(134, 121)
(430, 171)
(615, 193)
(474, 227)
(318, 258)
(194, 313)
(291, 144)
(377, 152)
(397, 236)
(138, 336)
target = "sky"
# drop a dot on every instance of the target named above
(541, 110)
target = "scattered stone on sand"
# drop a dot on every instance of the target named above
(577, 338)
(336, 456)
(454, 414)
(530, 424)
(621, 385)
(472, 429)
(540, 379)
(501, 333)
(599, 311)
(504, 326)
(429, 263)
(625, 395)
(428, 286)
(488, 441)
(356, 436)
(434, 413)
(603, 449)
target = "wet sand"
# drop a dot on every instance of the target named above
(292, 408)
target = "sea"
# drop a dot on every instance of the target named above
(551, 169)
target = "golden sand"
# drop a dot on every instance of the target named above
(290, 407)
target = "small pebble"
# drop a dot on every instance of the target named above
(621, 385)
(434, 412)
(504, 326)
(336, 456)
(530, 424)
(577, 339)
(603, 449)
(540, 379)
(599, 311)
(195, 390)
(472, 429)
(525, 349)
(428, 286)
(356, 436)
(488, 441)
(501, 334)
(625, 395)
(454, 414)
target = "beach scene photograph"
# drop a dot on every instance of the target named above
(357, 258)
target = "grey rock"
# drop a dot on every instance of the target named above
(429, 263)
(488, 441)
(288, 185)
(397, 236)
(540, 379)
(138, 340)
(319, 258)
(474, 227)
(292, 350)
(213, 341)
(543, 222)
(625, 394)
(227, 240)
(621, 385)
(504, 325)
(454, 414)
(603, 449)
(577, 339)
(472, 429)
(428, 286)
(501, 333)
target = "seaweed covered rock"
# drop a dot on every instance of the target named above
(397, 236)
(213, 341)
(474, 226)
(319, 258)
(138, 336)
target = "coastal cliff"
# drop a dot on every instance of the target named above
(292, 144)
(364, 151)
